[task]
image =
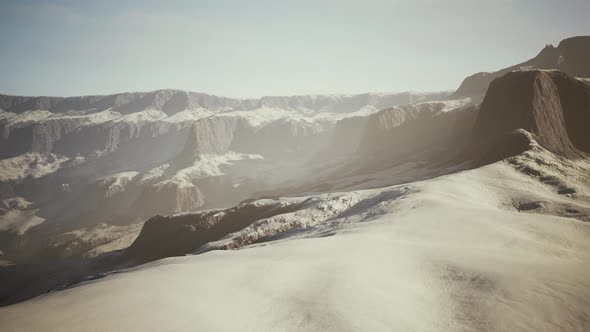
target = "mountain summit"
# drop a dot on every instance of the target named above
(570, 56)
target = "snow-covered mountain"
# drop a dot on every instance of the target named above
(85, 161)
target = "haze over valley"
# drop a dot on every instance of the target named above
(456, 210)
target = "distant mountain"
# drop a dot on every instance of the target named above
(83, 125)
(570, 56)
(173, 101)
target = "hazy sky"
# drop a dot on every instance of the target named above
(255, 48)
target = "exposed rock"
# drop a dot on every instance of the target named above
(212, 135)
(284, 137)
(166, 198)
(347, 137)
(422, 131)
(553, 107)
(178, 235)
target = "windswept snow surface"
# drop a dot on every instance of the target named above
(447, 254)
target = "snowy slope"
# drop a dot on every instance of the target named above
(452, 253)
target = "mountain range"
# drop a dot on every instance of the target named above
(366, 186)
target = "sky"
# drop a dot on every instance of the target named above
(261, 48)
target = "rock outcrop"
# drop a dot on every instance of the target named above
(552, 106)
(178, 235)
(283, 136)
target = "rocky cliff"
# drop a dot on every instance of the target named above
(178, 235)
(552, 106)
(416, 132)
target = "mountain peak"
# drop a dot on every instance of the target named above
(571, 57)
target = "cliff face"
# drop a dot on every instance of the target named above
(281, 137)
(78, 135)
(574, 96)
(167, 198)
(346, 138)
(570, 56)
(212, 135)
(552, 106)
(549, 107)
(415, 132)
(573, 56)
